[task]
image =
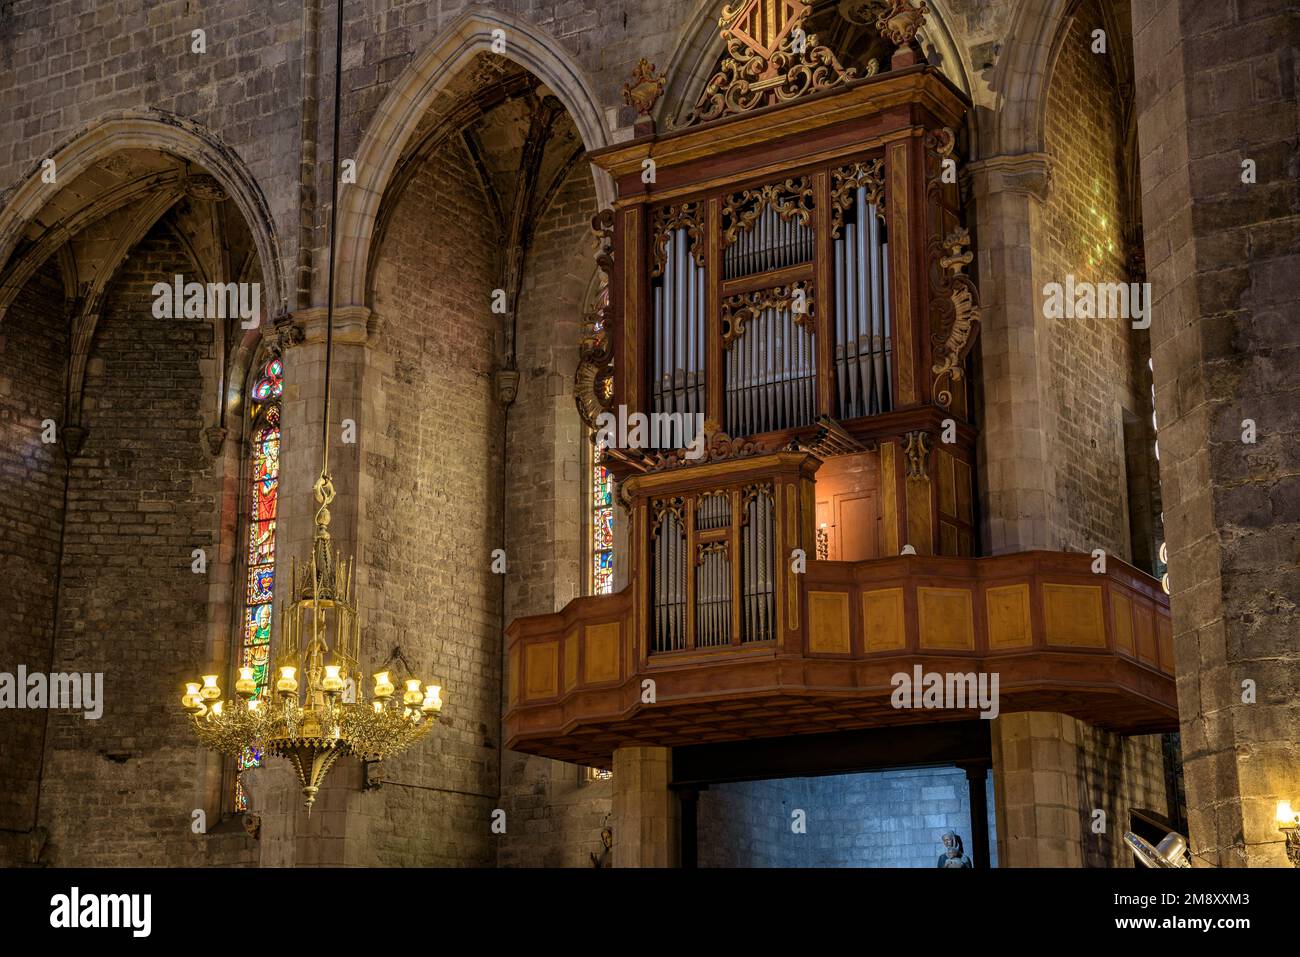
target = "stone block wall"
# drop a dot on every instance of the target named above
(877, 819)
(142, 496)
(430, 504)
(1091, 364)
(33, 353)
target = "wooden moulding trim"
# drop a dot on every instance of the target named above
(731, 471)
(921, 85)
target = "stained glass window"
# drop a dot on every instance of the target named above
(259, 588)
(602, 526)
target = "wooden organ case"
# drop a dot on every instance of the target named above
(789, 271)
(790, 268)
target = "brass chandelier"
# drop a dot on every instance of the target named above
(318, 712)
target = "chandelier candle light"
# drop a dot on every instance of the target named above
(318, 712)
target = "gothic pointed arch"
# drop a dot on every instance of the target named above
(385, 141)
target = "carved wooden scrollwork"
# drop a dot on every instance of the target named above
(688, 216)
(916, 448)
(769, 60)
(955, 311)
(660, 508)
(739, 309)
(705, 548)
(791, 199)
(602, 224)
(844, 182)
(939, 146)
(719, 447)
(593, 383)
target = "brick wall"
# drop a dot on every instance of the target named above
(33, 346)
(1090, 360)
(555, 820)
(879, 819)
(142, 496)
(430, 502)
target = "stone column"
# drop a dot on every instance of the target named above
(1035, 783)
(289, 836)
(1215, 89)
(645, 811)
(1014, 476)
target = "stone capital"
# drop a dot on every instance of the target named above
(350, 325)
(1029, 173)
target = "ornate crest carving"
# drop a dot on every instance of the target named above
(686, 216)
(644, 89)
(899, 21)
(917, 450)
(844, 182)
(769, 60)
(955, 312)
(739, 309)
(791, 199)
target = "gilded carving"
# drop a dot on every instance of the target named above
(844, 184)
(955, 312)
(718, 447)
(792, 199)
(900, 20)
(688, 216)
(645, 88)
(769, 60)
(593, 383)
(739, 309)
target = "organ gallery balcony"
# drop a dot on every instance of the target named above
(719, 639)
(792, 270)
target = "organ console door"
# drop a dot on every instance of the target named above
(788, 267)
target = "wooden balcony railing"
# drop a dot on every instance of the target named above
(587, 679)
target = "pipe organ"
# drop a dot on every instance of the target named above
(790, 264)
(787, 268)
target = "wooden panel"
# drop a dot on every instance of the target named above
(882, 620)
(1144, 633)
(900, 285)
(1072, 615)
(920, 521)
(1165, 642)
(632, 280)
(1007, 608)
(513, 668)
(1121, 613)
(600, 650)
(541, 669)
(888, 500)
(828, 623)
(856, 516)
(945, 618)
(961, 480)
(947, 483)
(571, 659)
(791, 543)
(948, 540)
